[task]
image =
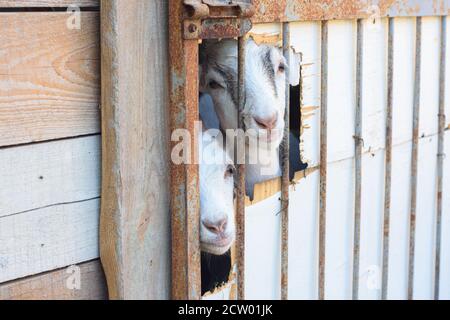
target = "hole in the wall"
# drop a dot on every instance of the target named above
(215, 271)
(295, 159)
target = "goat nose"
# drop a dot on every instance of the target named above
(267, 122)
(216, 227)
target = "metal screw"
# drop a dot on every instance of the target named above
(192, 28)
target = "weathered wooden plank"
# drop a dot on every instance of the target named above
(135, 219)
(49, 77)
(47, 3)
(59, 285)
(45, 174)
(48, 239)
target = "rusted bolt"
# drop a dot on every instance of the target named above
(192, 28)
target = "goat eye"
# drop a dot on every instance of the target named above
(215, 85)
(281, 68)
(230, 171)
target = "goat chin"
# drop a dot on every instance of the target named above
(215, 250)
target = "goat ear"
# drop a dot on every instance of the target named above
(201, 79)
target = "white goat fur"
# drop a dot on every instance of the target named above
(216, 196)
(264, 99)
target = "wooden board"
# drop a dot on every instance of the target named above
(135, 219)
(48, 239)
(47, 174)
(49, 77)
(47, 3)
(56, 285)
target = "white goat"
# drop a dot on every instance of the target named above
(217, 229)
(264, 100)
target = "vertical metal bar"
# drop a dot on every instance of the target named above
(358, 156)
(285, 177)
(388, 161)
(323, 157)
(240, 210)
(185, 203)
(414, 158)
(440, 155)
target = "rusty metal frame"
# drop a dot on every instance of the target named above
(358, 159)
(219, 19)
(307, 10)
(189, 21)
(440, 155)
(414, 158)
(388, 162)
(323, 158)
(285, 168)
(184, 186)
(240, 204)
(213, 19)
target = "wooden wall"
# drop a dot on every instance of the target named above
(50, 150)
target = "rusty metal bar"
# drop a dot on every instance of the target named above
(307, 10)
(414, 159)
(358, 159)
(323, 157)
(217, 19)
(285, 177)
(185, 203)
(216, 28)
(240, 208)
(440, 155)
(388, 162)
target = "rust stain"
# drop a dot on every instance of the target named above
(304, 10)
(223, 29)
(285, 10)
(183, 57)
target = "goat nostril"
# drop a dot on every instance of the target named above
(267, 123)
(217, 227)
(223, 225)
(213, 229)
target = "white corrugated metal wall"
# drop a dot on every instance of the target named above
(262, 221)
